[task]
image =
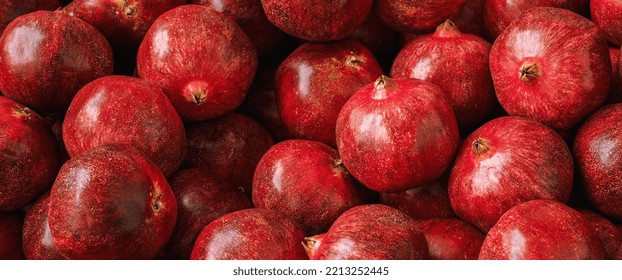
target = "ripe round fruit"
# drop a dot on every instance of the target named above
(201, 58)
(28, 155)
(507, 161)
(119, 109)
(10, 9)
(46, 57)
(551, 65)
(451, 239)
(422, 202)
(607, 14)
(37, 238)
(396, 134)
(609, 235)
(250, 234)
(110, 202)
(541, 230)
(417, 16)
(369, 232)
(598, 152)
(317, 20)
(305, 181)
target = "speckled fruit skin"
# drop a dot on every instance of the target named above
(305, 181)
(458, 64)
(607, 14)
(249, 15)
(10, 9)
(123, 22)
(451, 239)
(417, 16)
(598, 153)
(317, 20)
(119, 109)
(498, 14)
(250, 234)
(28, 155)
(552, 66)
(396, 134)
(110, 202)
(314, 83)
(609, 235)
(369, 232)
(424, 202)
(202, 59)
(541, 230)
(11, 236)
(37, 238)
(46, 57)
(507, 161)
(229, 147)
(201, 198)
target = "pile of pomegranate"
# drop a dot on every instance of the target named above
(309, 129)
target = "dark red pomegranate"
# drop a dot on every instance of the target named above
(201, 198)
(201, 58)
(229, 147)
(28, 155)
(307, 182)
(250, 234)
(417, 16)
(451, 239)
(317, 20)
(120, 109)
(37, 236)
(249, 15)
(369, 232)
(110, 202)
(598, 152)
(381, 40)
(11, 235)
(551, 65)
(124, 23)
(498, 14)
(396, 134)
(424, 202)
(458, 64)
(541, 230)
(314, 83)
(10, 9)
(609, 235)
(46, 57)
(607, 14)
(507, 161)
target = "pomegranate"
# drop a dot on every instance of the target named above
(417, 16)
(609, 235)
(37, 236)
(396, 134)
(471, 20)
(607, 14)
(452, 239)
(422, 202)
(10, 9)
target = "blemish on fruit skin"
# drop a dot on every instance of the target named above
(161, 43)
(23, 44)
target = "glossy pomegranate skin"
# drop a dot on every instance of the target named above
(37, 237)
(424, 202)
(417, 16)
(188, 34)
(609, 235)
(598, 153)
(458, 64)
(229, 147)
(396, 134)
(507, 161)
(305, 181)
(124, 23)
(452, 239)
(10, 9)
(317, 20)
(369, 232)
(28, 155)
(314, 83)
(120, 109)
(11, 236)
(498, 14)
(250, 234)
(110, 202)
(201, 198)
(552, 66)
(249, 15)
(607, 14)
(541, 230)
(46, 57)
